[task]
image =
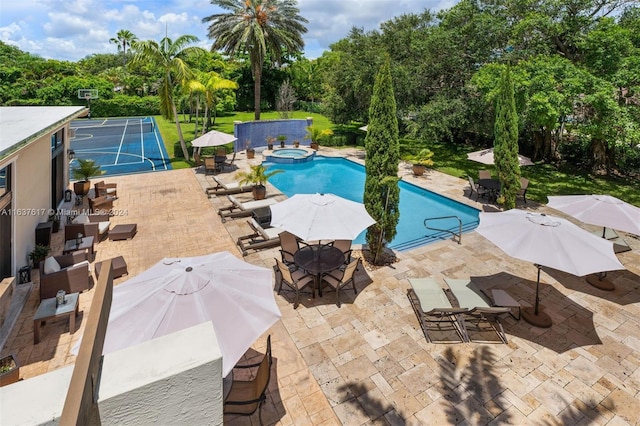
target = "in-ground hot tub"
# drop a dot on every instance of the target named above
(289, 155)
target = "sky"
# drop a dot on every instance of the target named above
(73, 29)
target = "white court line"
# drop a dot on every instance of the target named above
(164, 163)
(121, 141)
(142, 140)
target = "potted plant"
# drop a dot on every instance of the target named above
(257, 176)
(38, 254)
(83, 172)
(270, 141)
(9, 370)
(282, 139)
(316, 135)
(55, 219)
(251, 153)
(296, 143)
(420, 161)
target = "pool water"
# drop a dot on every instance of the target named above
(345, 178)
(291, 152)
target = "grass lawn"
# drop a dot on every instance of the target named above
(544, 179)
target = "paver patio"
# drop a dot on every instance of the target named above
(368, 361)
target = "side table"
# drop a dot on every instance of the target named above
(48, 310)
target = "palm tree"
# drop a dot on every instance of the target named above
(215, 83)
(123, 39)
(169, 56)
(257, 27)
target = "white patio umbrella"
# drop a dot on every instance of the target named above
(486, 157)
(599, 210)
(321, 217)
(547, 241)
(177, 293)
(213, 138)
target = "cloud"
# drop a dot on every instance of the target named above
(73, 29)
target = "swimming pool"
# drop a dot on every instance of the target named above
(346, 179)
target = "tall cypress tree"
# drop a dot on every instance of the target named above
(381, 192)
(505, 144)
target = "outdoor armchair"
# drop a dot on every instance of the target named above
(100, 204)
(69, 272)
(247, 396)
(345, 247)
(289, 245)
(92, 225)
(103, 189)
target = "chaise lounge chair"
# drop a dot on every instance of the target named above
(619, 243)
(261, 238)
(480, 316)
(434, 311)
(223, 188)
(242, 209)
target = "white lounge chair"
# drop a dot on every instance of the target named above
(435, 312)
(226, 188)
(243, 209)
(261, 238)
(480, 315)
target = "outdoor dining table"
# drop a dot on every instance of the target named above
(318, 259)
(493, 185)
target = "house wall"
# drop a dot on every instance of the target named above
(31, 188)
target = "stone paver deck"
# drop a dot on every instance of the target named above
(368, 361)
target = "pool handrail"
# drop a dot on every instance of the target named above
(459, 234)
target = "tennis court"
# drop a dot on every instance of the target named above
(120, 145)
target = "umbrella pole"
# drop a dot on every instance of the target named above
(534, 315)
(600, 281)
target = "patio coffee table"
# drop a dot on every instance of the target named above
(123, 232)
(86, 245)
(48, 310)
(118, 265)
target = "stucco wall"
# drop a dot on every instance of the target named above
(172, 380)
(31, 195)
(175, 379)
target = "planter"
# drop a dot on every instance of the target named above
(9, 370)
(281, 144)
(314, 145)
(259, 192)
(418, 170)
(251, 153)
(270, 147)
(296, 144)
(82, 187)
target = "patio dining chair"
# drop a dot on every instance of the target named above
(480, 191)
(247, 396)
(484, 174)
(296, 280)
(522, 192)
(345, 247)
(339, 279)
(289, 245)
